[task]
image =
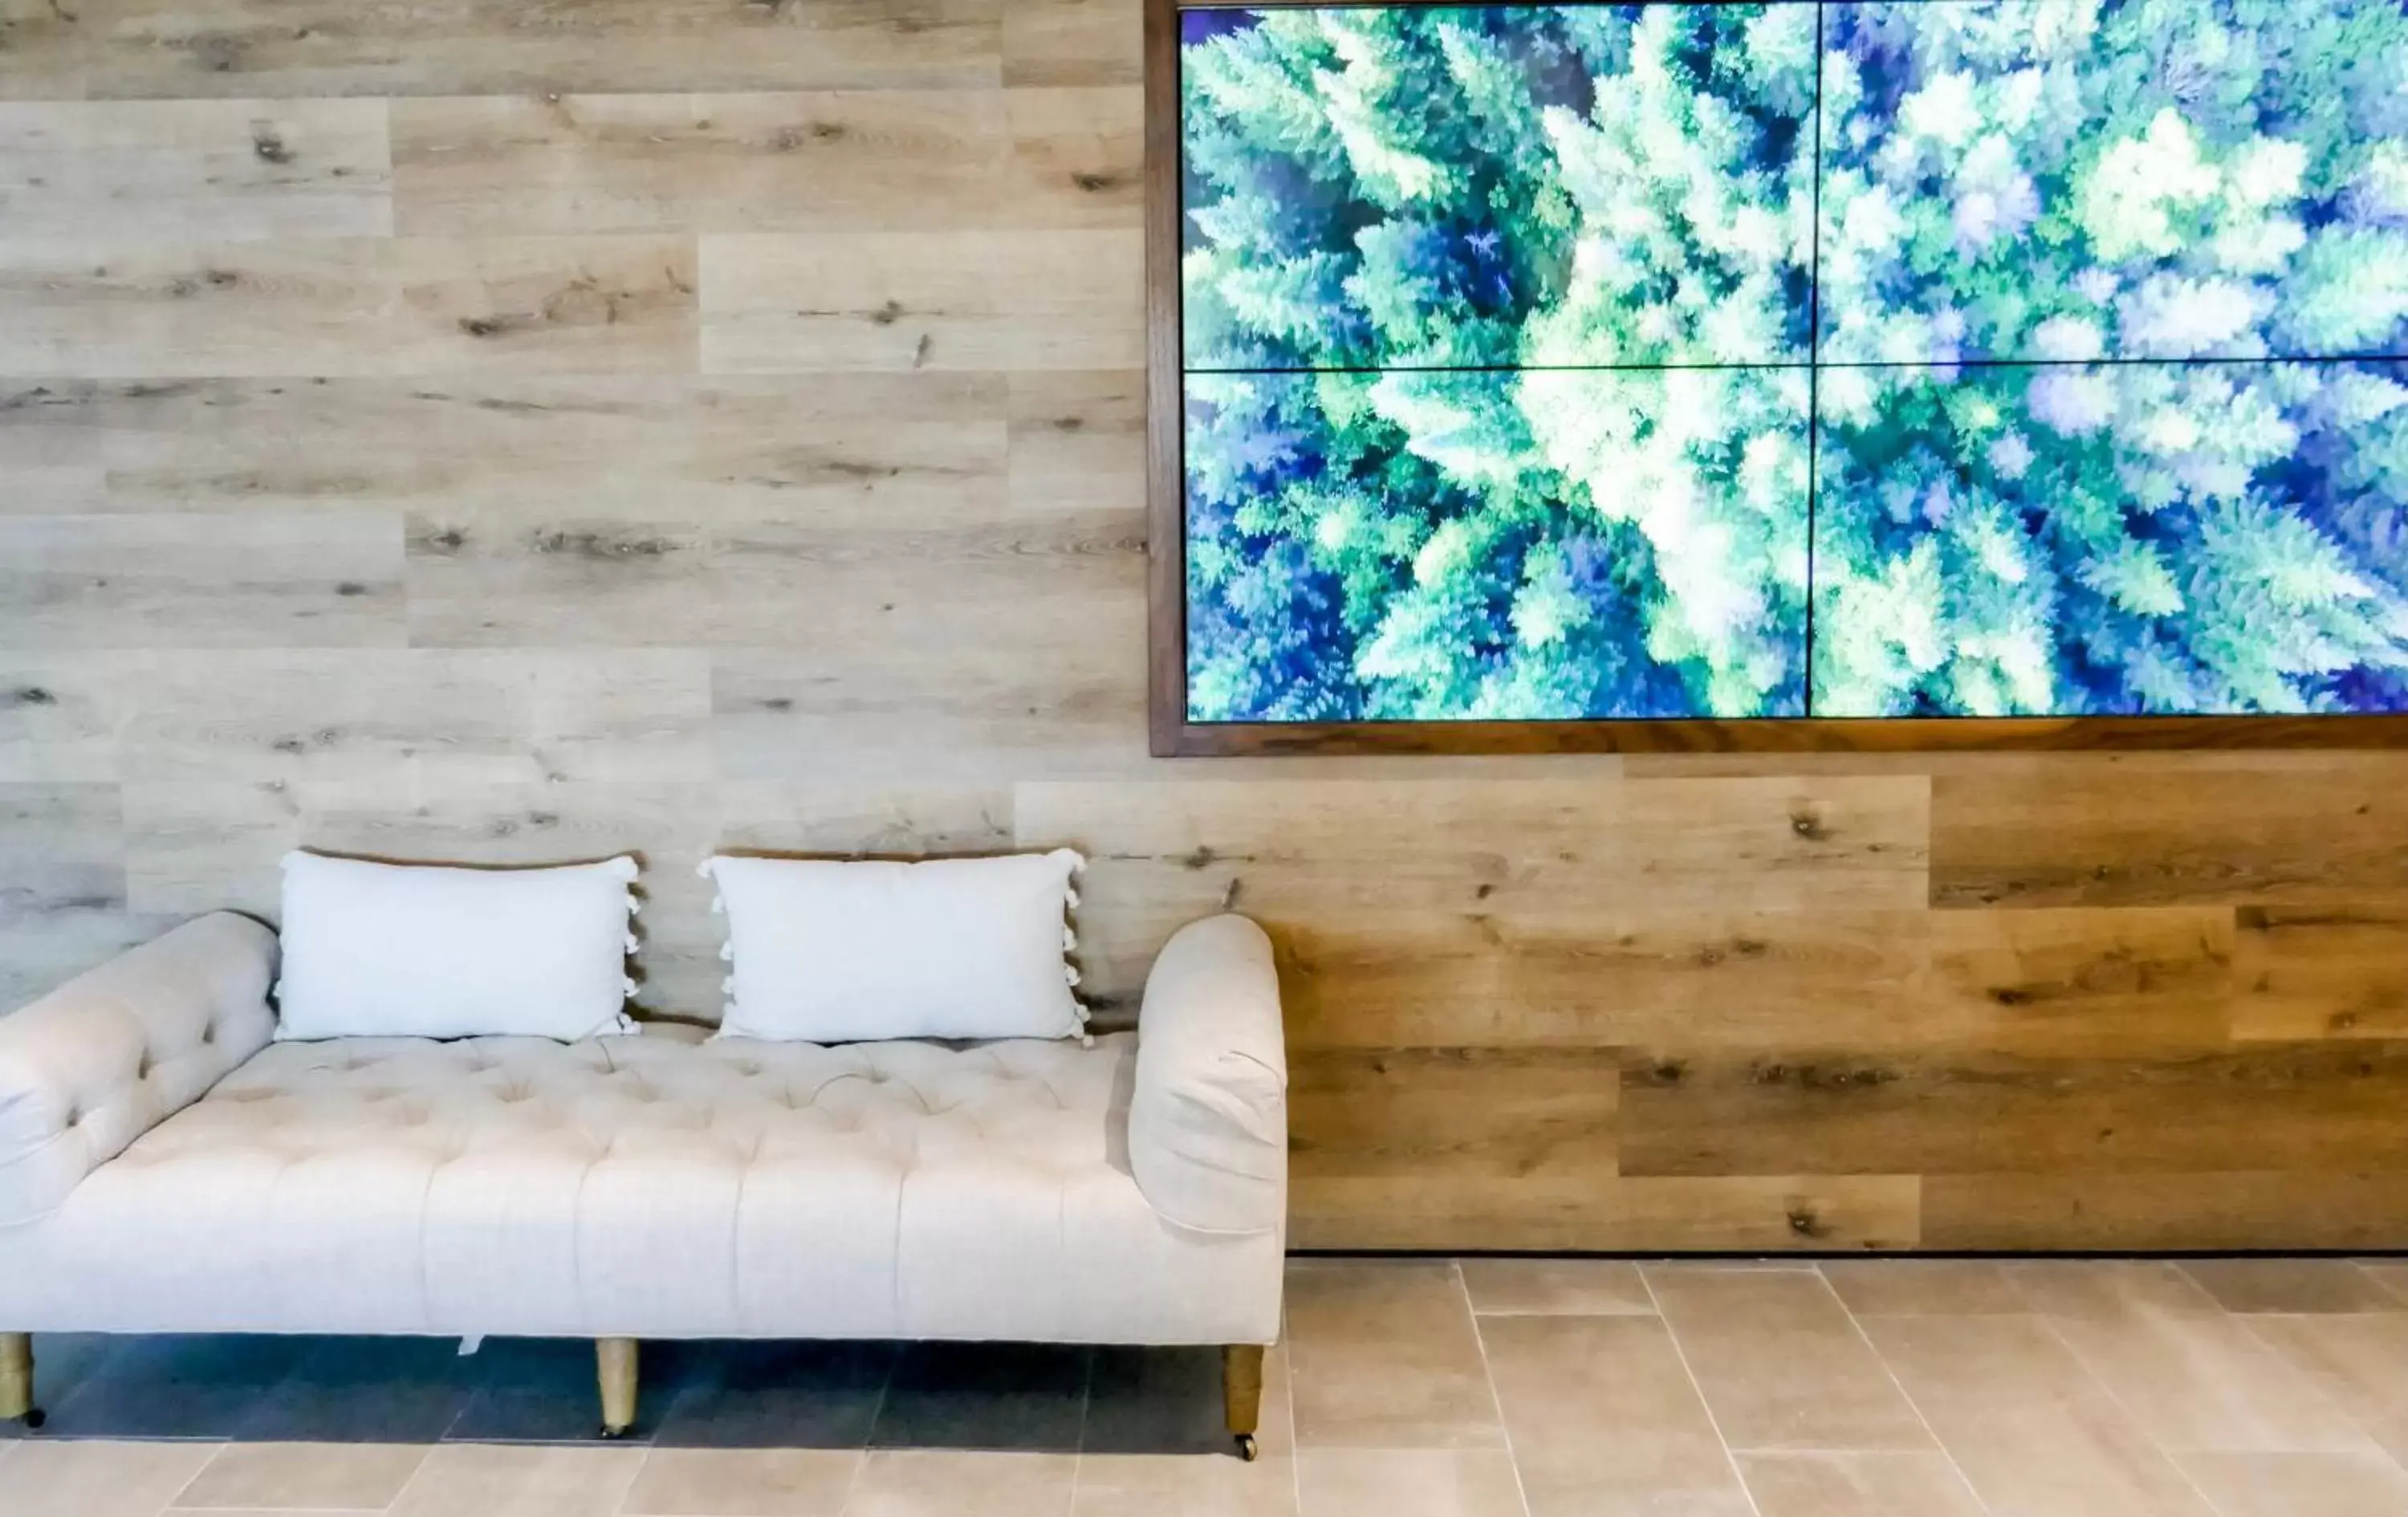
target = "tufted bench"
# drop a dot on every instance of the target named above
(165, 1167)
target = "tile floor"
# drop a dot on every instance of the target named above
(1407, 1388)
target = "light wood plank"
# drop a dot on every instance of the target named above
(409, 722)
(1071, 42)
(878, 160)
(347, 307)
(170, 48)
(121, 173)
(323, 580)
(898, 300)
(41, 54)
(1077, 442)
(480, 452)
(765, 582)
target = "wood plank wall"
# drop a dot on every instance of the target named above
(522, 431)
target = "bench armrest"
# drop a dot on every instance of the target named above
(110, 1054)
(1208, 1118)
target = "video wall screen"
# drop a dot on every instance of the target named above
(1913, 358)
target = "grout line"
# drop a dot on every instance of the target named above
(1963, 1480)
(1696, 1388)
(2314, 1382)
(869, 1434)
(1488, 1373)
(2049, 1325)
(1078, 1457)
(1287, 1376)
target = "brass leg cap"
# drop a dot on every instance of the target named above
(1246, 1448)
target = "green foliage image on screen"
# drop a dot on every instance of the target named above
(1922, 358)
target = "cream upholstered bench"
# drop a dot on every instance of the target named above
(165, 1167)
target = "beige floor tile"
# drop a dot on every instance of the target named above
(1781, 1363)
(1381, 1354)
(2034, 1433)
(2106, 1287)
(1401, 1482)
(1215, 1484)
(284, 1475)
(2194, 1381)
(1857, 1485)
(1568, 1287)
(99, 1478)
(2298, 1485)
(496, 1480)
(2360, 1363)
(2391, 1277)
(2290, 1286)
(742, 1482)
(914, 1482)
(1923, 1287)
(1605, 1419)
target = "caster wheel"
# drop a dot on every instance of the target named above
(612, 1434)
(1246, 1448)
(34, 1419)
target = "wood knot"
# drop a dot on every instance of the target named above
(1808, 826)
(887, 315)
(31, 696)
(1094, 183)
(268, 146)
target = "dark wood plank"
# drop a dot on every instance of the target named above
(2309, 1107)
(2107, 832)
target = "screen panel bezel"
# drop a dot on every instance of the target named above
(1173, 734)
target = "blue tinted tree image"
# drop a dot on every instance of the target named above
(1508, 398)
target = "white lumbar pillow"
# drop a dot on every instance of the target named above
(838, 952)
(422, 950)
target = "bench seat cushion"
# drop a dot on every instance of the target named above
(656, 1186)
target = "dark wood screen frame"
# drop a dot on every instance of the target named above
(1173, 734)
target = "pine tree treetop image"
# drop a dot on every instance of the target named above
(1921, 358)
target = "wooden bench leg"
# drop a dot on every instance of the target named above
(615, 1360)
(1241, 1393)
(17, 1380)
